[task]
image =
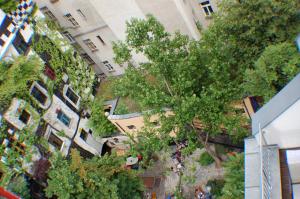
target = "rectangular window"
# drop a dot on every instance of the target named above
(131, 127)
(87, 58)
(90, 45)
(102, 41)
(108, 66)
(81, 14)
(83, 135)
(207, 8)
(55, 141)
(48, 13)
(68, 36)
(63, 118)
(72, 96)
(71, 19)
(39, 95)
(24, 117)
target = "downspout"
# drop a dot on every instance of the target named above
(73, 138)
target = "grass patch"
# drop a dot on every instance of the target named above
(205, 159)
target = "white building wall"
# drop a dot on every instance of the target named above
(108, 18)
(285, 129)
(293, 159)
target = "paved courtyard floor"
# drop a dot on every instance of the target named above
(193, 174)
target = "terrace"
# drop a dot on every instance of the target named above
(22, 115)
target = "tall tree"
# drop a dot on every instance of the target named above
(103, 177)
(277, 65)
(173, 76)
(234, 178)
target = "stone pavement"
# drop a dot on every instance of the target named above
(193, 174)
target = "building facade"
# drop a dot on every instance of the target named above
(272, 153)
(92, 25)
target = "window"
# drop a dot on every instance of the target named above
(83, 135)
(102, 41)
(81, 14)
(87, 58)
(131, 127)
(108, 66)
(63, 118)
(68, 36)
(207, 8)
(71, 19)
(55, 141)
(72, 96)
(90, 44)
(155, 123)
(24, 117)
(39, 95)
(48, 13)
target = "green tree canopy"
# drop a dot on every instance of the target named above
(234, 178)
(103, 177)
(99, 122)
(276, 66)
(175, 76)
(15, 77)
(8, 5)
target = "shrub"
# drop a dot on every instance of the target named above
(216, 187)
(205, 159)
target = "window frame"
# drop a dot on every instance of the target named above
(131, 127)
(101, 40)
(207, 8)
(69, 36)
(90, 44)
(64, 118)
(45, 10)
(108, 66)
(71, 20)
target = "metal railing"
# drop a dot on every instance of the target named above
(265, 157)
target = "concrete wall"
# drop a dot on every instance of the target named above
(285, 129)
(122, 122)
(293, 159)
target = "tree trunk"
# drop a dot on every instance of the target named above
(208, 149)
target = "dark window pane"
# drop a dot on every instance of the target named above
(38, 95)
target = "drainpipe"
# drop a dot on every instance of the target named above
(73, 138)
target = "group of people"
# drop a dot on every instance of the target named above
(177, 157)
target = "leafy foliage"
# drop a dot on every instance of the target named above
(216, 187)
(19, 186)
(8, 5)
(234, 178)
(175, 77)
(15, 77)
(98, 121)
(277, 65)
(61, 56)
(205, 159)
(95, 178)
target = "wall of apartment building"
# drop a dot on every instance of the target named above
(134, 122)
(90, 26)
(284, 130)
(204, 19)
(173, 14)
(108, 18)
